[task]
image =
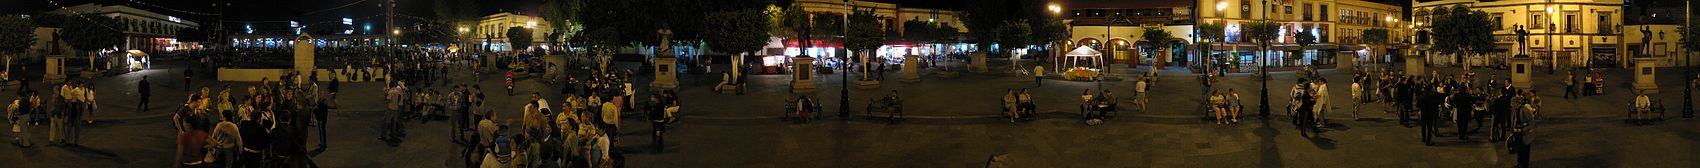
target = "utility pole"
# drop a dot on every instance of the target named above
(1688, 69)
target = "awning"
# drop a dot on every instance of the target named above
(137, 53)
(1084, 51)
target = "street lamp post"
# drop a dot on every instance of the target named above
(844, 84)
(1263, 68)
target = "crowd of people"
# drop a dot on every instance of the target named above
(580, 133)
(73, 108)
(267, 127)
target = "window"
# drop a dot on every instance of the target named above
(1537, 20)
(1324, 13)
(1306, 12)
(1606, 24)
(1499, 21)
(1245, 9)
(1571, 23)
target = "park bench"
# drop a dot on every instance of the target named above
(1656, 106)
(791, 110)
(892, 109)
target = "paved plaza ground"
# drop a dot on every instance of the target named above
(954, 123)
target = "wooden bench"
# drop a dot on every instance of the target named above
(892, 109)
(791, 110)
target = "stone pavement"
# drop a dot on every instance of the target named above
(955, 125)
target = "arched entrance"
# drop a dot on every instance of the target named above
(1121, 51)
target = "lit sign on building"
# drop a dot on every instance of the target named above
(174, 19)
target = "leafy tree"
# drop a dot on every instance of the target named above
(1159, 40)
(1013, 35)
(1463, 31)
(16, 34)
(519, 37)
(828, 26)
(561, 16)
(92, 32)
(797, 21)
(864, 34)
(1303, 38)
(736, 31)
(1262, 33)
(918, 31)
(1374, 37)
(1690, 33)
(1209, 33)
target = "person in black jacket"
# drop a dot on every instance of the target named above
(1461, 103)
(1431, 105)
(658, 119)
(142, 89)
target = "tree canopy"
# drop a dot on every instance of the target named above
(1460, 30)
(91, 32)
(1262, 32)
(519, 37)
(1690, 35)
(1210, 32)
(1014, 34)
(1157, 37)
(864, 31)
(737, 30)
(985, 21)
(561, 16)
(16, 34)
(1374, 36)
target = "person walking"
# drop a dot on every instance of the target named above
(1430, 106)
(1139, 90)
(143, 89)
(1461, 103)
(1038, 73)
(1569, 85)
(658, 121)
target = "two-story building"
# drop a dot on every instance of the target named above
(146, 31)
(1562, 33)
(1116, 28)
(492, 31)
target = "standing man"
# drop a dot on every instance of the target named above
(1139, 89)
(335, 83)
(1430, 106)
(658, 120)
(1461, 103)
(145, 91)
(1569, 84)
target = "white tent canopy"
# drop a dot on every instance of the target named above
(1090, 54)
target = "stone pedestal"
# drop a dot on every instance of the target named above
(803, 75)
(911, 68)
(1521, 67)
(978, 62)
(304, 54)
(1644, 71)
(1414, 65)
(1346, 63)
(55, 72)
(665, 75)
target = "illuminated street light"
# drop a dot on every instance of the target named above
(396, 32)
(1055, 8)
(530, 24)
(462, 29)
(1221, 5)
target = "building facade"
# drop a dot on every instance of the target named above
(492, 31)
(1116, 28)
(1562, 33)
(147, 31)
(891, 16)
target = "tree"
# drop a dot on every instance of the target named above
(1013, 35)
(16, 34)
(1303, 38)
(864, 34)
(1159, 40)
(1463, 31)
(519, 37)
(797, 21)
(1209, 33)
(737, 31)
(918, 31)
(1374, 37)
(92, 33)
(1263, 33)
(828, 26)
(561, 15)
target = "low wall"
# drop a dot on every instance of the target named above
(254, 75)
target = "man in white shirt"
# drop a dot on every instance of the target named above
(1643, 107)
(1139, 88)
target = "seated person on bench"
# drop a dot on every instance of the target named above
(892, 99)
(1643, 107)
(1026, 102)
(805, 108)
(1009, 105)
